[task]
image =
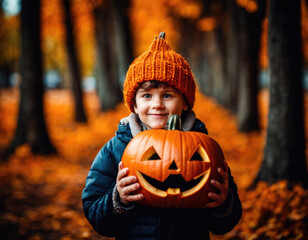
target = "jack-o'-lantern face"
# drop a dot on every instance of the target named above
(173, 167)
(171, 180)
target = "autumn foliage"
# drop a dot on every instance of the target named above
(41, 196)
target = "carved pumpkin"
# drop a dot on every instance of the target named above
(173, 167)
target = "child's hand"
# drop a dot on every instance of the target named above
(127, 185)
(220, 198)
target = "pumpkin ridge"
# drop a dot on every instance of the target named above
(181, 156)
(147, 137)
(167, 152)
(184, 161)
(162, 161)
(152, 136)
(196, 143)
(174, 150)
(161, 155)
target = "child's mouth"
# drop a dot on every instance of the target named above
(158, 115)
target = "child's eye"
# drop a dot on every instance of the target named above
(147, 95)
(167, 95)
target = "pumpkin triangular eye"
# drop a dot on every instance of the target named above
(196, 157)
(200, 155)
(150, 154)
(154, 157)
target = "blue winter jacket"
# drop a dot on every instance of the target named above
(143, 222)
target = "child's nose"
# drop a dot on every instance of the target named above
(157, 102)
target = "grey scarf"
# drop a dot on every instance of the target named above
(136, 126)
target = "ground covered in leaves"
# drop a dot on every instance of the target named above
(40, 197)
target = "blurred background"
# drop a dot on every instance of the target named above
(206, 30)
(62, 68)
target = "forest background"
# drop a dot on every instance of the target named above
(61, 100)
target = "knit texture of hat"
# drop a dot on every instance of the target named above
(162, 64)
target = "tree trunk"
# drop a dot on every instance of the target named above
(74, 67)
(212, 53)
(250, 32)
(187, 31)
(247, 111)
(233, 48)
(219, 66)
(5, 73)
(123, 41)
(284, 156)
(31, 126)
(201, 66)
(109, 89)
(205, 78)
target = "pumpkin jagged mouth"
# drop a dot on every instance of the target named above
(173, 181)
(173, 185)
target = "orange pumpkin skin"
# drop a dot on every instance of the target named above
(174, 168)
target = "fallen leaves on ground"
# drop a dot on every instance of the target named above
(40, 197)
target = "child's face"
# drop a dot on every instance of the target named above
(154, 106)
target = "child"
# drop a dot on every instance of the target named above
(158, 83)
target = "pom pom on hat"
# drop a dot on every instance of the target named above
(162, 64)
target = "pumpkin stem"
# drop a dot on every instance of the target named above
(174, 122)
(162, 35)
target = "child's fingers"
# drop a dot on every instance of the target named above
(222, 187)
(130, 189)
(125, 181)
(217, 184)
(217, 200)
(212, 205)
(127, 186)
(120, 166)
(216, 197)
(134, 198)
(223, 174)
(128, 193)
(122, 173)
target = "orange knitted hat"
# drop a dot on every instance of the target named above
(162, 64)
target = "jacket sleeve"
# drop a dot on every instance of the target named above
(225, 217)
(98, 192)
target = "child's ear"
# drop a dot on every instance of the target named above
(185, 106)
(135, 108)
